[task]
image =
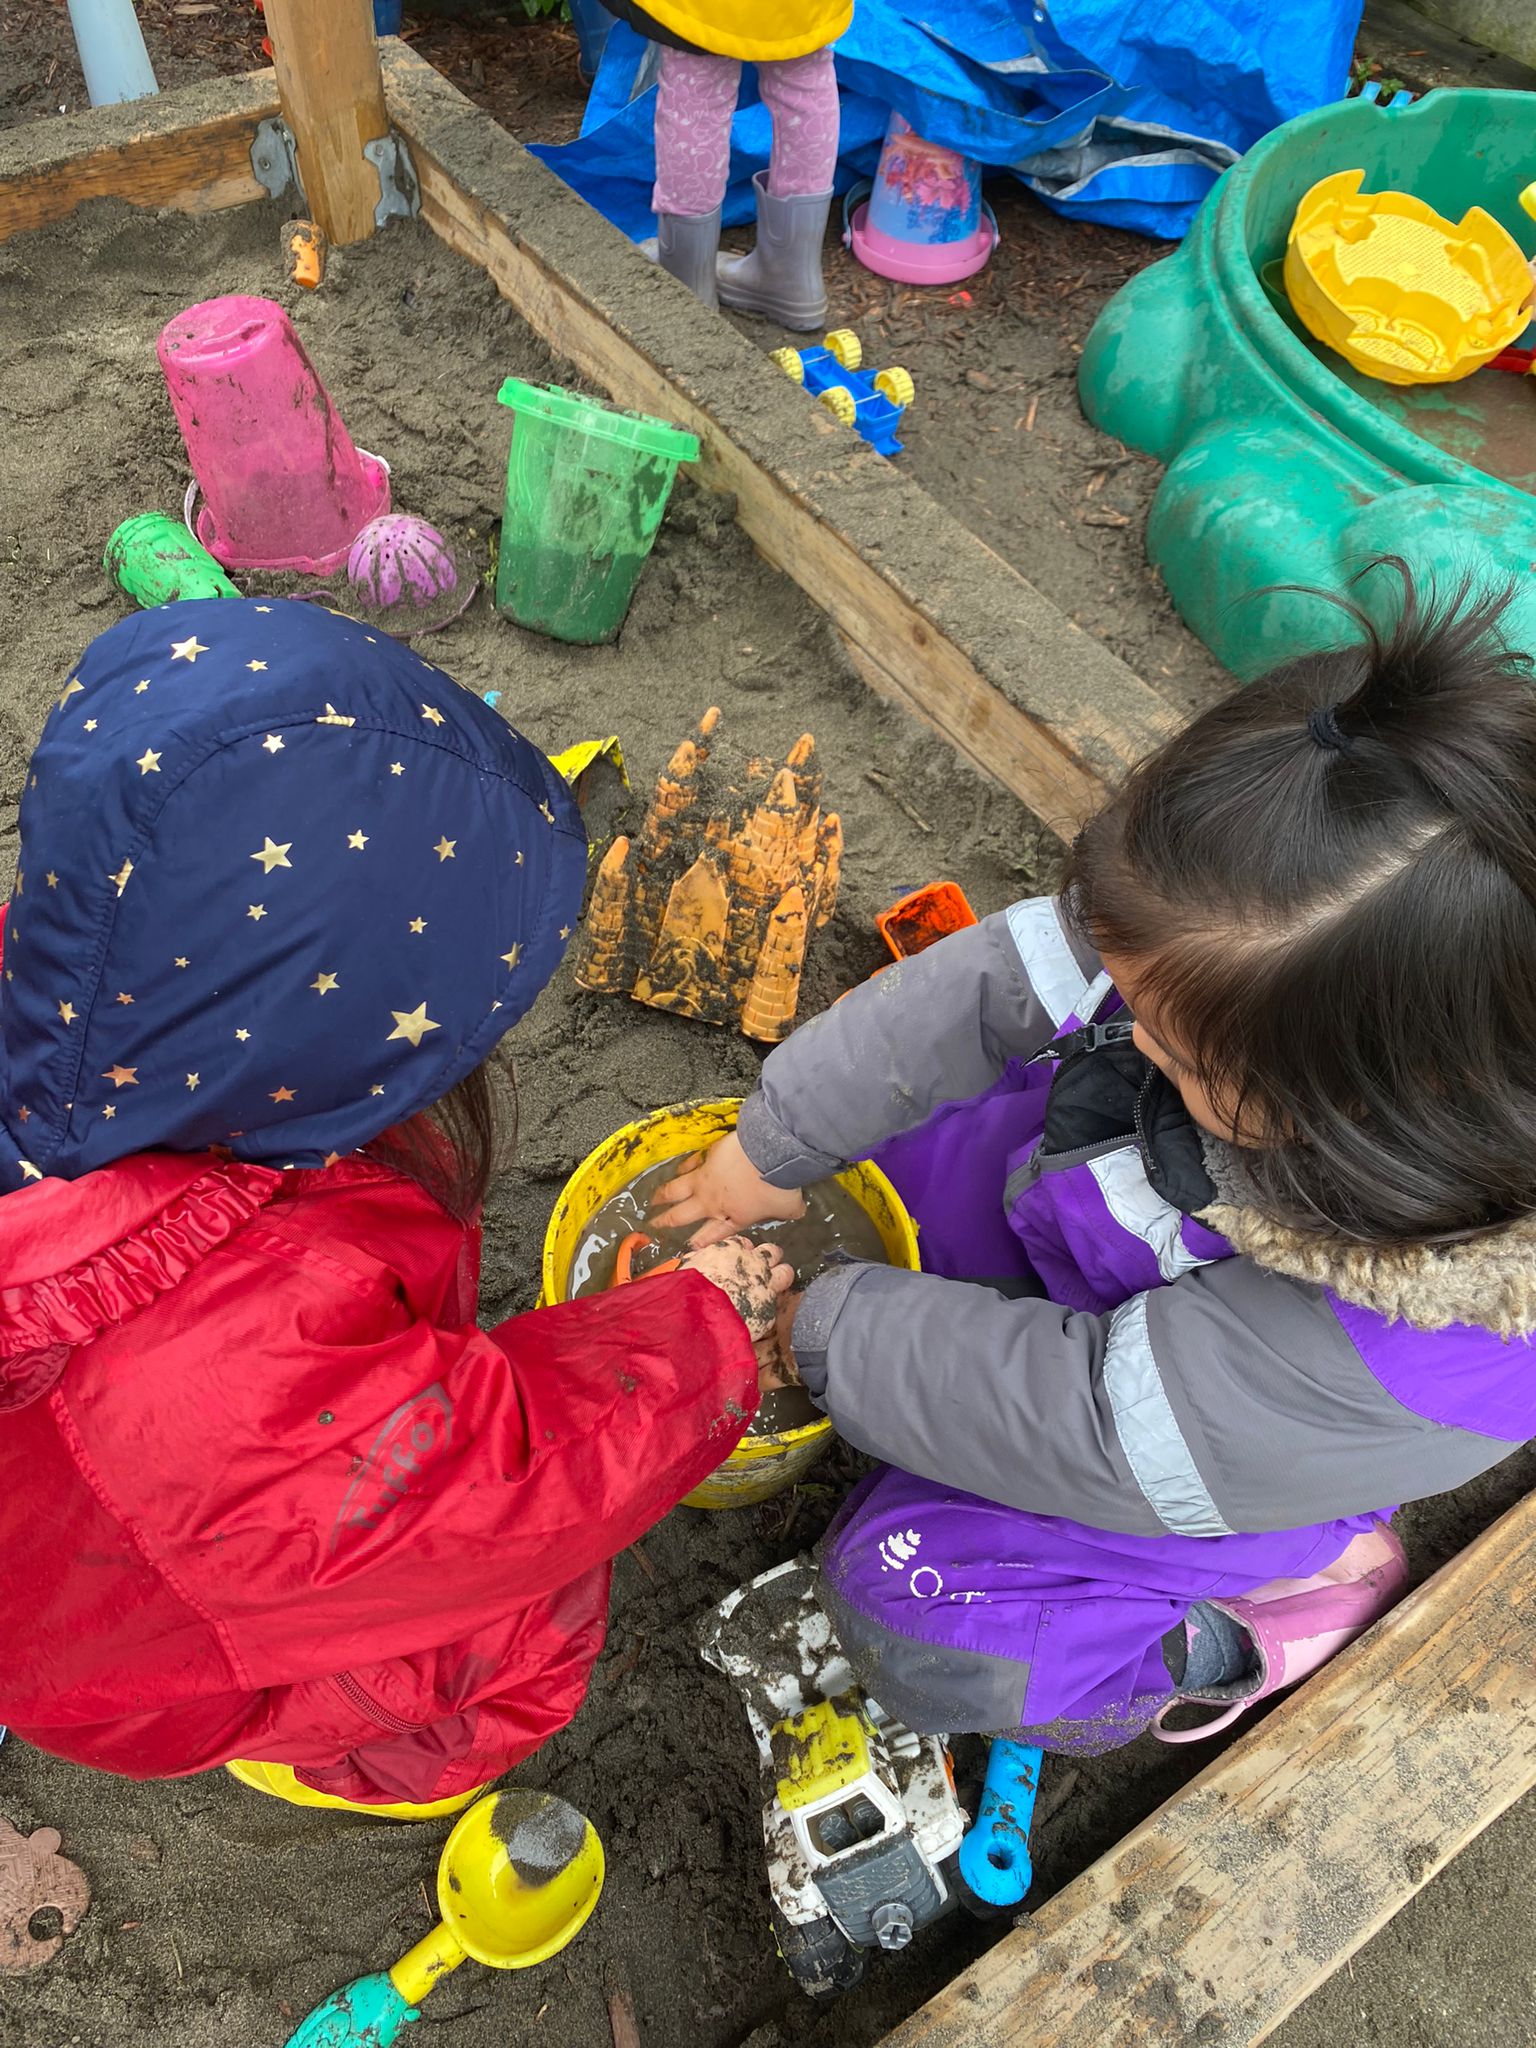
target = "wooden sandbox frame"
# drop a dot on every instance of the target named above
(1218, 1915)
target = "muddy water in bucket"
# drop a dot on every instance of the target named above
(833, 1223)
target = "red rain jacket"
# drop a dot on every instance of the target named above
(266, 1490)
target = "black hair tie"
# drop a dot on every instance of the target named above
(1323, 726)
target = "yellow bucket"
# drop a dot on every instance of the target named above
(760, 1466)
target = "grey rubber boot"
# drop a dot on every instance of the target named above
(686, 245)
(781, 277)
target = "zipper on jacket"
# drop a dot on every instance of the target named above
(357, 1696)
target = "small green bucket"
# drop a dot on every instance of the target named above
(586, 488)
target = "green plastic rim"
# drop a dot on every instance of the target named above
(579, 415)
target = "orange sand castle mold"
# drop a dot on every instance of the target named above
(708, 910)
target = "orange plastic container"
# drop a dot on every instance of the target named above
(920, 920)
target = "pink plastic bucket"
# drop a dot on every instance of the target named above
(925, 221)
(283, 485)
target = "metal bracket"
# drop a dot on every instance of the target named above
(275, 160)
(399, 192)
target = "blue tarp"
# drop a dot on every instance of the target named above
(1119, 111)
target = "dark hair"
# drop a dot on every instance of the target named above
(1328, 883)
(453, 1149)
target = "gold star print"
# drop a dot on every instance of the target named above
(546, 813)
(274, 856)
(122, 1077)
(28, 1170)
(90, 725)
(110, 1109)
(431, 714)
(282, 1095)
(121, 877)
(517, 863)
(182, 960)
(51, 879)
(397, 767)
(187, 650)
(73, 688)
(255, 667)
(24, 1115)
(418, 925)
(565, 931)
(123, 997)
(357, 841)
(412, 1025)
(140, 688)
(272, 744)
(376, 1089)
(256, 912)
(242, 1035)
(332, 1159)
(148, 762)
(444, 849)
(68, 1012)
(331, 716)
(514, 956)
(263, 607)
(194, 1082)
(324, 983)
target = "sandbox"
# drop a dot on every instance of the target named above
(219, 1918)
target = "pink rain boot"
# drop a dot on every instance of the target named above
(1297, 1624)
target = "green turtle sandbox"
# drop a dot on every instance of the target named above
(1285, 466)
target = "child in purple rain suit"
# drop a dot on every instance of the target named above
(1224, 1163)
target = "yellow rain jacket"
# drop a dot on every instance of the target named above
(757, 31)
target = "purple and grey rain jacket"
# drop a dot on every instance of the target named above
(1174, 1423)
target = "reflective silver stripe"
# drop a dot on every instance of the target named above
(1148, 1429)
(1137, 1207)
(1049, 961)
(1093, 1000)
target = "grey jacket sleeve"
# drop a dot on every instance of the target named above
(936, 1028)
(1230, 1400)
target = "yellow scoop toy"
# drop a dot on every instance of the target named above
(517, 1880)
(1399, 291)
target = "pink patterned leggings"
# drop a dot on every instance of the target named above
(694, 104)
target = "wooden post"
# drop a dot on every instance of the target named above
(327, 61)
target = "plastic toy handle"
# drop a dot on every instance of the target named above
(624, 1260)
(994, 1857)
(426, 1965)
(367, 2013)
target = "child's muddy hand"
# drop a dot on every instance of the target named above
(752, 1276)
(776, 1366)
(723, 1192)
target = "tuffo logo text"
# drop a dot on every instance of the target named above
(419, 1431)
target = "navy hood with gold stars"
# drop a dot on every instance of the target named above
(281, 884)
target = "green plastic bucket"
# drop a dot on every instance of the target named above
(586, 488)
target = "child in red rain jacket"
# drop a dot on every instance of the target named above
(267, 1492)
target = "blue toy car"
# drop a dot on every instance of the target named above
(871, 404)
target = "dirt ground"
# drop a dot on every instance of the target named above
(218, 1917)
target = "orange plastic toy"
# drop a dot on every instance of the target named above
(920, 920)
(624, 1260)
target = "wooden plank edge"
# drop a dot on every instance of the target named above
(1212, 1921)
(189, 149)
(1060, 761)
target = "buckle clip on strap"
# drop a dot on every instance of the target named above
(1087, 1038)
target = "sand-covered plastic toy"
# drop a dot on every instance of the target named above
(707, 911)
